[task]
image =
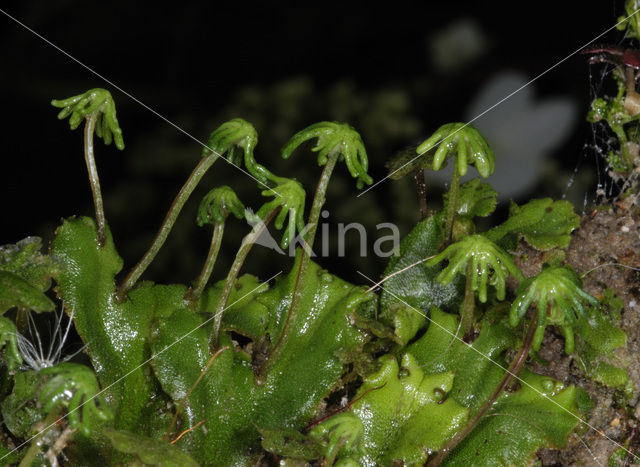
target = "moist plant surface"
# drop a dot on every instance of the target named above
(504, 345)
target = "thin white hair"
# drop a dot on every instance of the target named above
(35, 356)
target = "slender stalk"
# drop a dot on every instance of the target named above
(468, 304)
(453, 205)
(247, 243)
(93, 177)
(167, 224)
(514, 370)
(193, 294)
(418, 176)
(37, 442)
(301, 276)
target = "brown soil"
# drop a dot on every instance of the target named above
(604, 251)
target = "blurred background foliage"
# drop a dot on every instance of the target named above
(395, 72)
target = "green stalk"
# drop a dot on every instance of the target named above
(453, 205)
(167, 224)
(36, 443)
(241, 256)
(468, 304)
(514, 370)
(193, 294)
(93, 177)
(301, 276)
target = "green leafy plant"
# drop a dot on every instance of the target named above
(240, 370)
(391, 410)
(96, 106)
(214, 209)
(335, 141)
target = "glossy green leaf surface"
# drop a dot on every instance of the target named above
(520, 422)
(246, 316)
(598, 338)
(406, 323)
(404, 414)
(20, 410)
(544, 223)
(291, 444)
(25, 274)
(149, 451)
(340, 434)
(233, 403)
(476, 376)
(15, 291)
(542, 413)
(417, 285)
(9, 340)
(308, 368)
(74, 386)
(116, 332)
(475, 199)
(26, 260)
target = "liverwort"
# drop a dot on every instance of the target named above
(335, 141)
(214, 209)
(221, 141)
(97, 108)
(259, 224)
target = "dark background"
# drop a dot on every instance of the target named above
(281, 65)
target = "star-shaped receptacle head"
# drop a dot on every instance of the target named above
(335, 137)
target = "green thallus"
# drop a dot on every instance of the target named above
(480, 260)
